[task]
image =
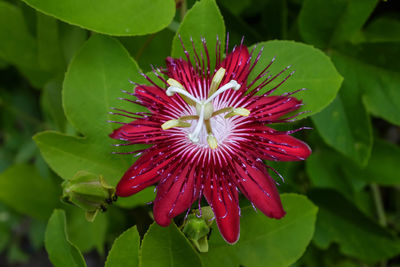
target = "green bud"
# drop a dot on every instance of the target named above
(196, 229)
(88, 191)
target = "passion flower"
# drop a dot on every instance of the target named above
(207, 127)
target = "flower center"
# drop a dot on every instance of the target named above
(204, 108)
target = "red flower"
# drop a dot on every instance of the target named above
(209, 138)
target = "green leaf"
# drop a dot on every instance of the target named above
(91, 87)
(327, 23)
(314, 71)
(383, 167)
(61, 251)
(125, 250)
(16, 255)
(17, 45)
(6, 225)
(135, 17)
(144, 196)
(5, 232)
(3, 64)
(93, 83)
(325, 169)
(203, 20)
(72, 38)
(37, 231)
(50, 100)
(383, 29)
(22, 188)
(264, 240)
(150, 49)
(86, 235)
(345, 124)
(235, 6)
(341, 222)
(49, 46)
(382, 97)
(58, 148)
(378, 76)
(81, 154)
(167, 247)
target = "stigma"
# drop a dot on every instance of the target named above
(204, 108)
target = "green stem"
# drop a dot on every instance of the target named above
(376, 193)
(380, 210)
(183, 9)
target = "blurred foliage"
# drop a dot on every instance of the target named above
(62, 66)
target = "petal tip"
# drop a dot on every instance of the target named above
(161, 219)
(123, 190)
(281, 215)
(231, 239)
(277, 214)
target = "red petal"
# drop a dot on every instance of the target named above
(224, 203)
(270, 108)
(236, 66)
(256, 184)
(280, 147)
(143, 173)
(174, 196)
(137, 130)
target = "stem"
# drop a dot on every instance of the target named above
(380, 210)
(183, 9)
(376, 193)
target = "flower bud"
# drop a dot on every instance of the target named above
(89, 192)
(196, 228)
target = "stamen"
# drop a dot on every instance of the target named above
(216, 81)
(189, 118)
(208, 126)
(231, 85)
(183, 93)
(173, 82)
(174, 123)
(212, 141)
(222, 110)
(176, 87)
(238, 112)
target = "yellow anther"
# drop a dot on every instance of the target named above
(189, 118)
(175, 83)
(212, 141)
(238, 112)
(219, 75)
(174, 123)
(222, 110)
